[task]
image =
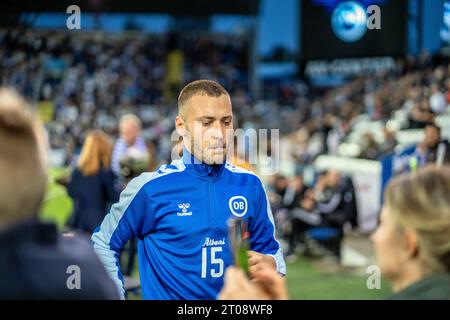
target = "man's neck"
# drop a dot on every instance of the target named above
(189, 158)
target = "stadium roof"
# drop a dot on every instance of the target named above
(188, 7)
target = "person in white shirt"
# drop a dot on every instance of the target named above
(437, 100)
(130, 142)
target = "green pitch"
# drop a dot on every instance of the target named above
(306, 282)
(57, 204)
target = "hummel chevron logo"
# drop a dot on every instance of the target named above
(184, 207)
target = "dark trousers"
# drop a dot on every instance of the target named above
(298, 229)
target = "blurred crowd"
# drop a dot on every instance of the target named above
(90, 81)
(369, 111)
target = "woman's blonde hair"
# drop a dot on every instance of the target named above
(96, 153)
(421, 201)
(23, 153)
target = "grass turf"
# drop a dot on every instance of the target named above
(305, 282)
(57, 205)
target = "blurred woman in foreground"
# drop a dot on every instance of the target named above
(92, 185)
(412, 243)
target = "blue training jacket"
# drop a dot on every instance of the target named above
(179, 214)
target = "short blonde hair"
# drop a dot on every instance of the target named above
(202, 87)
(421, 201)
(96, 153)
(23, 171)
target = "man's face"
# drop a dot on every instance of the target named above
(208, 127)
(128, 132)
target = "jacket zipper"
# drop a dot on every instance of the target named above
(212, 208)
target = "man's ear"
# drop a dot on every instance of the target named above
(180, 126)
(411, 243)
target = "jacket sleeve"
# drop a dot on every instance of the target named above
(262, 230)
(127, 218)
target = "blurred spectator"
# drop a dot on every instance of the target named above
(370, 147)
(177, 149)
(294, 192)
(437, 100)
(92, 186)
(389, 142)
(427, 150)
(34, 258)
(278, 185)
(421, 114)
(289, 194)
(277, 191)
(447, 96)
(129, 145)
(303, 217)
(335, 196)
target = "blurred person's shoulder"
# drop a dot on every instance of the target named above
(78, 250)
(38, 263)
(435, 287)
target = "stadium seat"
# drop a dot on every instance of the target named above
(329, 238)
